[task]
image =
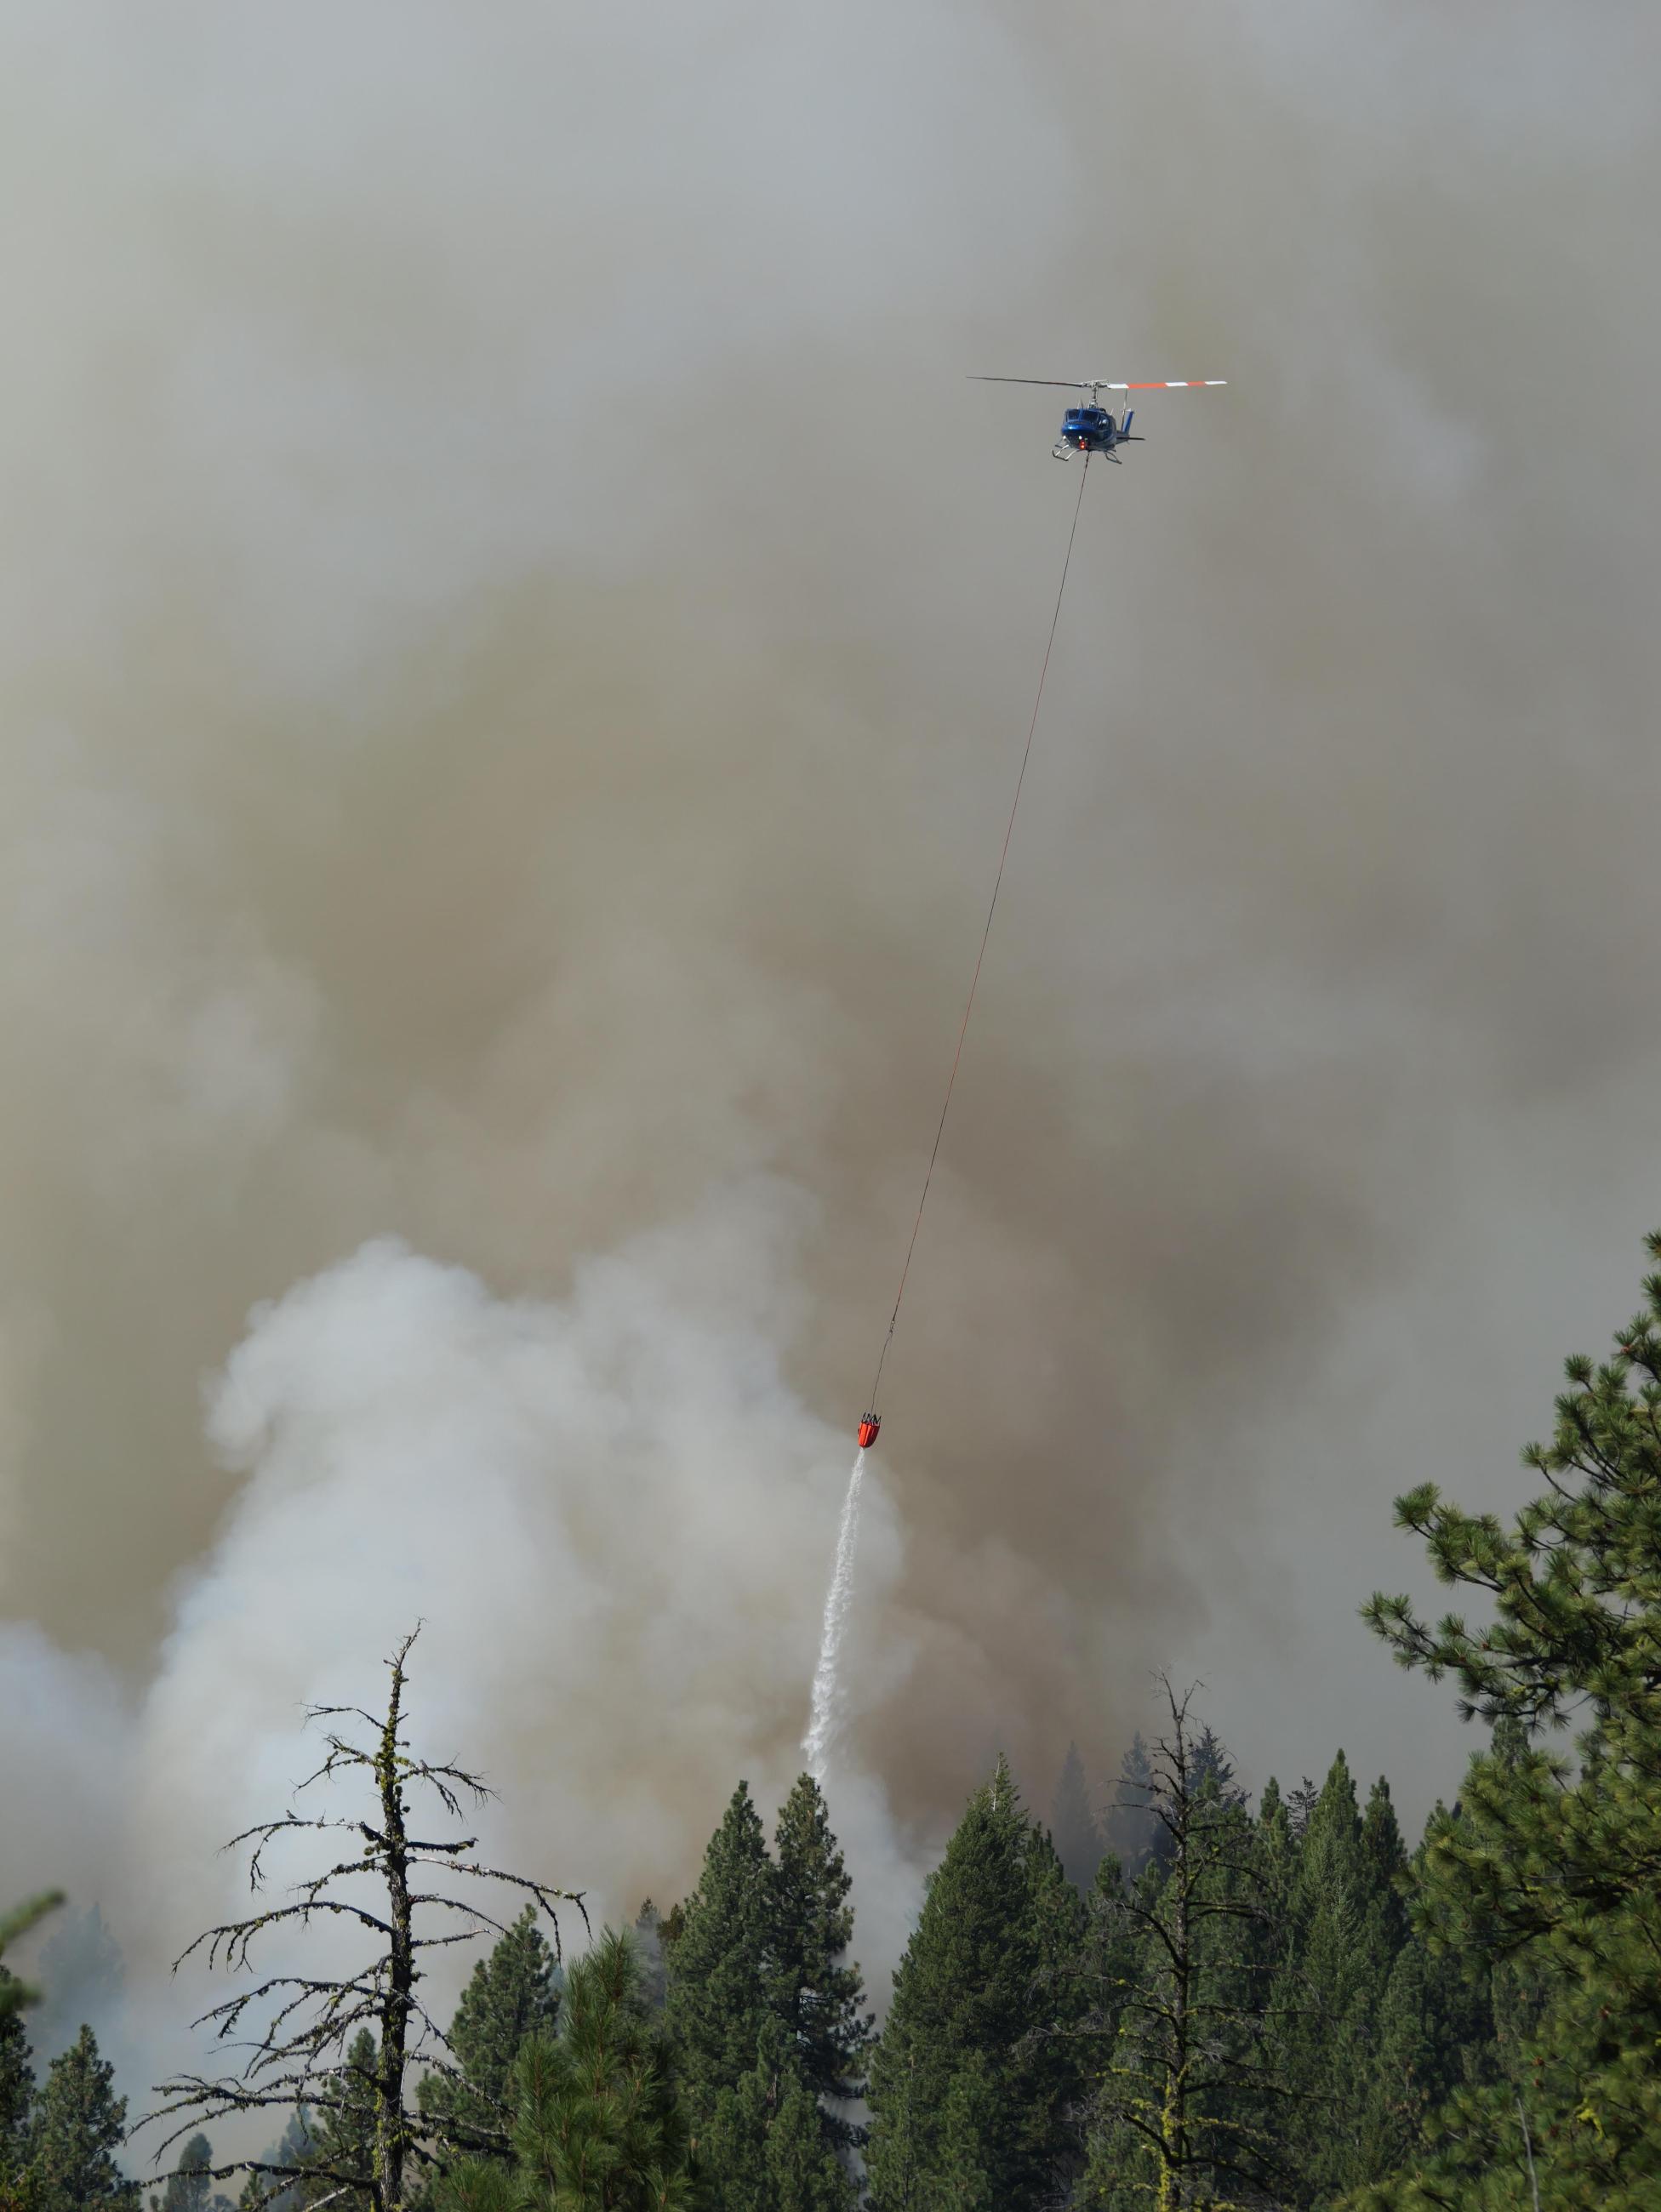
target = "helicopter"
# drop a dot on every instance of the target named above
(1094, 429)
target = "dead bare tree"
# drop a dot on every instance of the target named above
(1190, 2080)
(299, 2025)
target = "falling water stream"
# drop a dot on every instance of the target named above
(827, 1685)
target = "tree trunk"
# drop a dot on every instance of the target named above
(391, 2126)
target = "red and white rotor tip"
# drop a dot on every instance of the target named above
(1171, 383)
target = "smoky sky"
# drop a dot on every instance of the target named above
(517, 640)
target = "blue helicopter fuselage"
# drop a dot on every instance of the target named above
(1091, 429)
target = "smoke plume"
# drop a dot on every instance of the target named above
(517, 634)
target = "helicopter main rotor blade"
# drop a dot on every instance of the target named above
(1107, 383)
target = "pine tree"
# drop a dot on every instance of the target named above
(651, 1953)
(812, 1987)
(1347, 1927)
(1326, 2041)
(968, 2030)
(732, 2143)
(77, 2126)
(260, 2192)
(1386, 1863)
(16, 1996)
(803, 2173)
(16, 2087)
(718, 1968)
(1212, 1763)
(341, 2130)
(765, 2149)
(1073, 1823)
(1555, 1862)
(596, 2126)
(82, 1976)
(512, 1993)
(964, 2179)
(1190, 2106)
(1300, 1805)
(16, 2072)
(1435, 2033)
(1061, 2005)
(190, 2185)
(1133, 1834)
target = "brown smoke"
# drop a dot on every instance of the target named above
(518, 643)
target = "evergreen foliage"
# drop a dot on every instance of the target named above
(16, 2089)
(1192, 2093)
(1133, 1835)
(718, 1974)
(596, 2124)
(761, 1944)
(971, 2083)
(512, 1994)
(652, 1954)
(77, 2125)
(1277, 2010)
(339, 2133)
(1345, 1932)
(814, 1990)
(765, 2149)
(1556, 1860)
(260, 2192)
(83, 1977)
(16, 1995)
(190, 2187)
(1073, 1823)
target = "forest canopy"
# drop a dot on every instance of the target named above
(1165, 1995)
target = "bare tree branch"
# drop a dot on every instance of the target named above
(300, 2025)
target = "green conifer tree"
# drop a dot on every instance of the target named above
(813, 1988)
(512, 1993)
(1061, 2005)
(340, 2129)
(803, 2173)
(651, 1953)
(963, 2180)
(1556, 1863)
(82, 1976)
(262, 2191)
(16, 1995)
(1385, 1859)
(1190, 2108)
(1073, 1823)
(733, 2144)
(1328, 2012)
(16, 2070)
(719, 1965)
(765, 2149)
(16, 2086)
(972, 2000)
(189, 2187)
(1133, 1835)
(596, 2126)
(77, 2126)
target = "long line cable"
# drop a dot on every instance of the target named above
(974, 985)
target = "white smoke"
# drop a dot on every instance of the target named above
(514, 636)
(610, 1514)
